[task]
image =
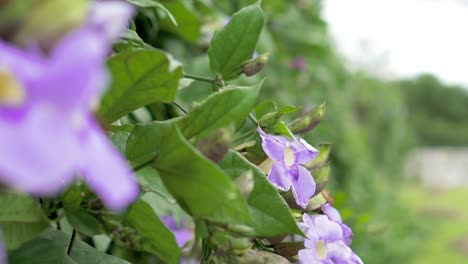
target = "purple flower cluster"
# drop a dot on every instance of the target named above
(328, 239)
(47, 131)
(286, 171)
(181, 233)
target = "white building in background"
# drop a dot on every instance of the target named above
(439, 167)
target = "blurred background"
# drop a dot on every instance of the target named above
(394, 76)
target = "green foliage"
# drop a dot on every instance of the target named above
(437, 111)
(236, 42)
(140, 77)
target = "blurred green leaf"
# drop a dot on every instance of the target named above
(198, 185)
(236, 42)
(21, 218)
(84, 222)
(270, 212)
(188, 23)
(232, 104)
(51, 246)
(154, 3)
(159, 240)
(139, 77)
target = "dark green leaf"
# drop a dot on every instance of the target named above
(270, 212)
(232, 105)
(21, 218)
(236, 42)
(188, 23)
(140, 77)
(84, 222)
(51, 246)
(159, 239)
(198, 185)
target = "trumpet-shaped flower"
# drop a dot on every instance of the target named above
(335, 216)
(47, 131)
(286, 171)
(325, 242)
(182, 234)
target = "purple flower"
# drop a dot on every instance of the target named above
(182, 234)
(47, 132)
(298, 63)
(286, 171)
(335, 216)
(3, 257)
(324, 243)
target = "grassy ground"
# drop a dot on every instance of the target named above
(445, 215)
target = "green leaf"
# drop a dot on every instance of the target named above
(199, 186)
(145, 141)
(236, 42)
(159, 239)
(21, 218)
(51, 246)
(188, 24)
(270, 212)
(139, 78)
(153, 3)
(84, 222)
(232, 105)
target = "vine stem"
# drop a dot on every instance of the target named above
(254, 120)
(199, 78)
(72, 242)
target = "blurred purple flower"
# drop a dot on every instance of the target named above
(181, 233)
(324, 243)
(47, 132)
(335, 216)
(286, 171)
(298, 63)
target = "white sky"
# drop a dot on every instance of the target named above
(403, 37)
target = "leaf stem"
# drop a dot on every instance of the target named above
(199, 78)
(253, 119)
(72, 242)
(141, 166)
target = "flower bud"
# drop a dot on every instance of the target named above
(254, 66)
(321, 176)
(48, 21)
(216, 145)
(260, 257)
(316, 202)
(289, 249)
(308, 121)
(324, 152)
(12, 12)
(245, 183)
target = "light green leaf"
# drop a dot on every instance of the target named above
(154, 3)
(270, 212)
(139, 78)
(232, 105)
(159, 239)
(236, 42)
(21, 218)
(199, 186)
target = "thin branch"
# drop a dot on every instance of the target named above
(199, 78)
(180, 107)
(72, 242)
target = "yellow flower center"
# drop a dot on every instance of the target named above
(321, 249)
(289, 156)
(11, 91)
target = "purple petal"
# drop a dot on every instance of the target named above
(338, 252)
(38, 152)
(106, 172)
(304, 151)
(183, 236)
(273, 145)
(83, 73)
(347, 234)
(308, 256)
(355, 259)
(278, 177)
(110, 18)
(25, 65)
(326, 229)
(332, 213)
(304, 187)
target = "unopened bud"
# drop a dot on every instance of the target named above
(322, 157)
(12, 12)
(240, 229)
(48, 21)
(254, 66)
(316, 202)
(321, 176)
(289, 249)
(240, 245)
(260, 257)
(216, 145)
(245, 183)
(308, 121)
